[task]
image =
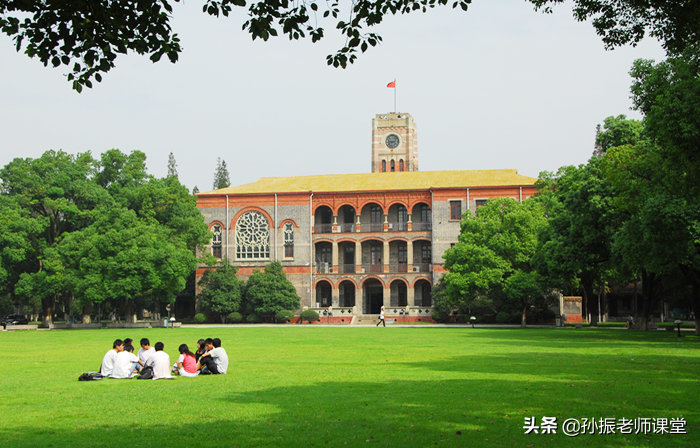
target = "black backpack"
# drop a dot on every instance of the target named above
(146, 373)
(90, 376)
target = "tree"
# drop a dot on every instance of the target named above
(221, 179)
(494, 256)
(576, 246)
(120, 257)
(270, 292)
(195, 190)
(88, 37)
(221, 289)
(172, 166)
(618, 131)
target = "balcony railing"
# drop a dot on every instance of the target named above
(373, 227)
(398, 267)
(347, 268)
(421, 226)
(398, 226)
(323, 228)
(347, 228)
(373, 268)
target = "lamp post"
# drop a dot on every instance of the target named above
(678, 322)
(472, 320)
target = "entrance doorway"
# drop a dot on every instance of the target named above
(374, 296)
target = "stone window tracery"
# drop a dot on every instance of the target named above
(216, 241)
(289, 240)
(252, 236)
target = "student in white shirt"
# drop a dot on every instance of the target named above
(108, 361)
(126, 363)
(215, 360)
(146, 350)
(160, 362)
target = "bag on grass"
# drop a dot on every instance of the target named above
(90, 376)
(146, 373)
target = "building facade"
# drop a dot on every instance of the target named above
(353, 243)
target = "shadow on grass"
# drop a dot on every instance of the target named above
(483, 404)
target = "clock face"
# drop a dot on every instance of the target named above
(392, 141)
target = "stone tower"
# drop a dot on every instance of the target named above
(394, 143)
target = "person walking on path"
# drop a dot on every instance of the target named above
(381, 318)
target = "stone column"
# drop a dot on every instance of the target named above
(358, 257)
(409, 256)
(334, 257)
(409, 225)
(386, 222)
(358, 224)
(411, 296)
(386, 298)
(386, 256)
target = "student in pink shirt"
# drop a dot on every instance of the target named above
(186, 364)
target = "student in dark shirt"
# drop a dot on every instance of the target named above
(201, 349)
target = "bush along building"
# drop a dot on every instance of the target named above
(352, 243)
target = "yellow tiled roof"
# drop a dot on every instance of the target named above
(416, 180)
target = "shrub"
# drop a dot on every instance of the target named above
(309, 316)
(440, 316)
(503, 317)
(235, 317)
(253, 319)
(200, 318)
(284, 316)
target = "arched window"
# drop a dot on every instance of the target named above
(252, 236)
(216, 241)
(383, 166)
(401, 165)
(393, 166)
(289, 240)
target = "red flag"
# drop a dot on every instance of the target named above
(392, 84)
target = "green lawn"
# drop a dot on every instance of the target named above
(295, 386)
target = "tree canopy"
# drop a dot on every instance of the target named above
(88, 36)
(270, 292)
(94, 230)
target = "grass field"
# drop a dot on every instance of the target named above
(311, 386)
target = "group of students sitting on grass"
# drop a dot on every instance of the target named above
(120, 361)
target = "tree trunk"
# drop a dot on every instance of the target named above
(606, 307)
(87, 309)
(694, 277)
(156, 308)
(130, 315)
(636, 308)
(523, 321)
(47, 311)
(648, 293)
(67, 299)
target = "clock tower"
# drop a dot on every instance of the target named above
(394, 143)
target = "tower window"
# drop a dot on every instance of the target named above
(393, 166)
(383, 166)
(401, 165)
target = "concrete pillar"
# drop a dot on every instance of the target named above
(409, 255)
(409, 225)
(358, 256)
(386, 298)
(334, 256)
(410, 296)
(386, 222)
(358, 224)
(335, 297)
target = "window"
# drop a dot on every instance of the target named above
(376, 221)
(426, 254)
(393, 166)
(403, 254)
(401, 165)
(403, 218)
(452, 245)
(216, 241)
(455, 209)
(252, 236)
(289, 240)
(383, 166)
(480, 202)
(425, 215)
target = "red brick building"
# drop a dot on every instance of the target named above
(352, 243)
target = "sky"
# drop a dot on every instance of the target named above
(498, 86)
